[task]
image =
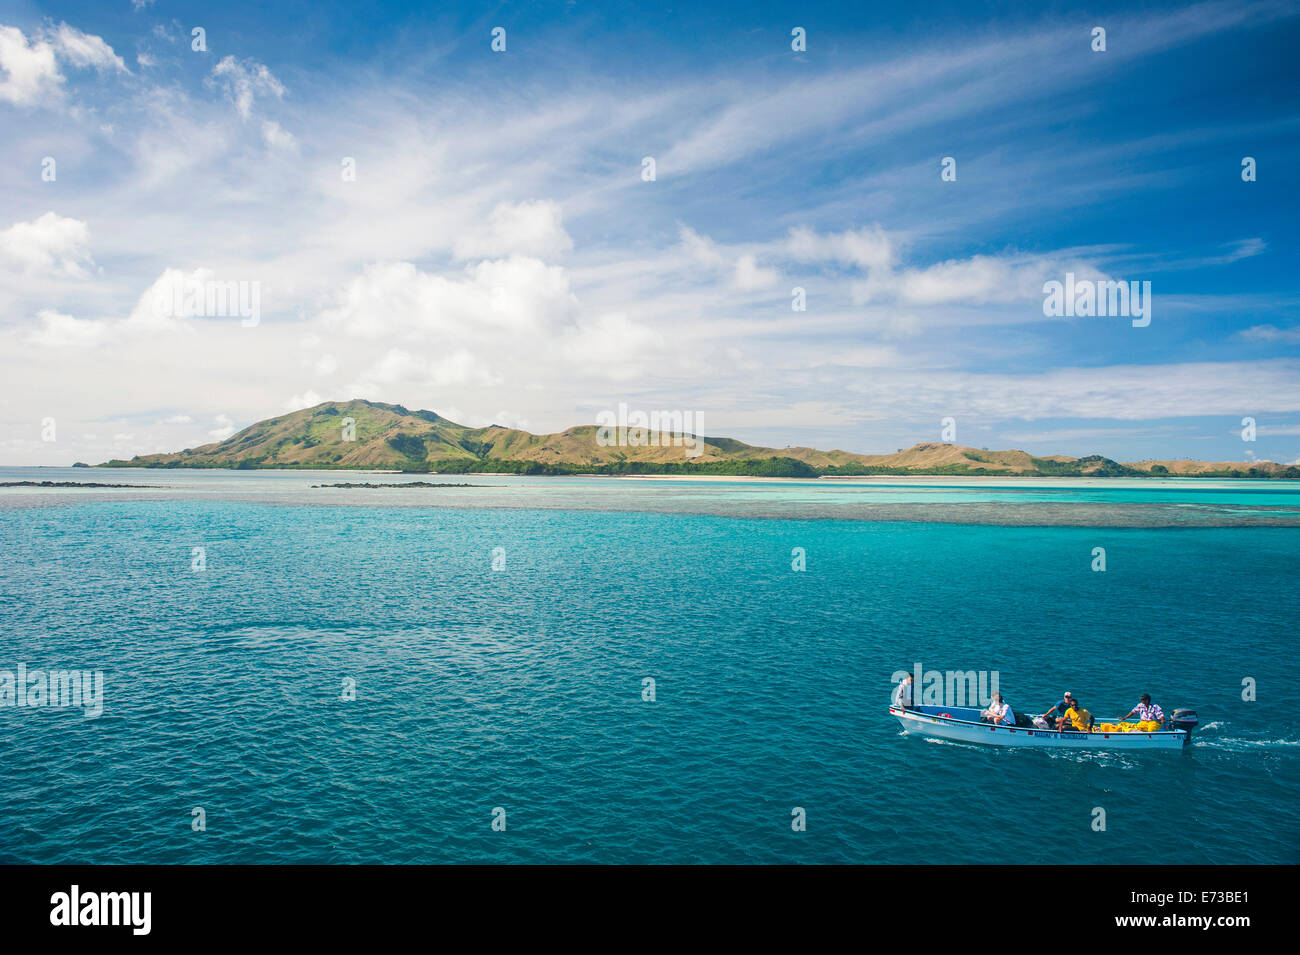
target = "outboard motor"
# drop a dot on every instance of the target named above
(1184, 719)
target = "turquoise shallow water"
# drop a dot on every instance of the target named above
(1084, 502)
(521, 687)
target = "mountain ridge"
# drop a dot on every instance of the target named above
(393, 437)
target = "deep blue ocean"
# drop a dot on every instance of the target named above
(520, 686)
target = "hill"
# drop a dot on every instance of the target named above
(371, 435)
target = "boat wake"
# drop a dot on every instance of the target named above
(1207, 739)
(1244, 745)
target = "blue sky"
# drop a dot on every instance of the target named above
(499, 256)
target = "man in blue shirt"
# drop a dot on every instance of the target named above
(1059, 709)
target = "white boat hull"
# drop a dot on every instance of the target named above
(917, 721)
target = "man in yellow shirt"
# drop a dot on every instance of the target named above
(1080, 718)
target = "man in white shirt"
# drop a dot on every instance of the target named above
(903, 697)
(999, 712)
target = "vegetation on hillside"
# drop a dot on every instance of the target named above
(371, 435)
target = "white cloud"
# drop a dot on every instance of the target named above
(533, 228)
(277, 137)
(978, 280)
(745, 273)
(750, 276)
(85, 50)
(1271, 333)
(31, 74)
(308, 399)
(49, 245)
(396, 299)
(508, 419)
(867, 248)
(178, 419)
(224, 429)
(60, 331)
(323, 365)
(156, 312)
(399, 371)
(164, 304)
(244, 81)
(617, 347)
(511, 419)
(1116, 392)
(31, 69)
(701, 249)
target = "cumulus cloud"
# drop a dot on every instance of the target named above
(511, 419)
(31, 69)
(308, 399)
(750, 276)
(65, 331)
(49, 245)
(617, 347)
(518, 294)
(166, 306)
(399, 370)
(507, 419)
(276, 136)
(224, 429)
(533, 228)
(742, 268)
(31, 73)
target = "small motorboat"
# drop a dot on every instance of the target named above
(962, 724)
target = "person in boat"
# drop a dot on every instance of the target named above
(1058, 711)
(1076, 718)
(903, 697)
(1147, 711)
(999, 712)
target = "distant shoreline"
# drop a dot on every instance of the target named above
(837, 478)
(915, 478)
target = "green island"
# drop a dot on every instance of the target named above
(370, 435)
